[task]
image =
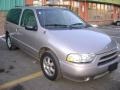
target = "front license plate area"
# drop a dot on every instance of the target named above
(113, 67)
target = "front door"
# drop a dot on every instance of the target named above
(28, 32)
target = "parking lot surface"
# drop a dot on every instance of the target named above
(19, 71)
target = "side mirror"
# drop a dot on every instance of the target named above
(32, 28)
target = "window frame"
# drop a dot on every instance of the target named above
(22, 19)
(12, 19)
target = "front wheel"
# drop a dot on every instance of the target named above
(50, 66)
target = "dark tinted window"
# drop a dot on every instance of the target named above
(28, 18)
(14, 16)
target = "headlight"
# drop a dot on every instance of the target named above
(80, 58)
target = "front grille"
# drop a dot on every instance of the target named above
(107, 61)
(108, 57)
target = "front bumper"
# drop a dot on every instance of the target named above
(81, 72)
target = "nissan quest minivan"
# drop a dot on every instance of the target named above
(65, 45)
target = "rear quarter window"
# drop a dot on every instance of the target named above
(13, 16)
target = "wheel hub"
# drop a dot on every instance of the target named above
(48, 66)
(9, 42)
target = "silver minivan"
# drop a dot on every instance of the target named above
(65, 45)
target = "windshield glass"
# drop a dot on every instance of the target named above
(59, 19)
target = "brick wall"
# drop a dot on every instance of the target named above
(2, 21)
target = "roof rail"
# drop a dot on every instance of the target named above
(28, 4)
(24, 5)
(56, 5)
(50, 5)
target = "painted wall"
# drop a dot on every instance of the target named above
(8, 4)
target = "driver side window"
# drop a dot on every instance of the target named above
(28, 19)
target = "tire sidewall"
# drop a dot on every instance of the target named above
(56, 64)
(8, 37)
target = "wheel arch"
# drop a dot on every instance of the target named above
(44, 49)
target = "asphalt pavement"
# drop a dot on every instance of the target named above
(19, 71)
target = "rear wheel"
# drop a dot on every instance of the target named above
(50, 66)
(9, 43)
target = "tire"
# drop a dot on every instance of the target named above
(118, 23)
(9, 43)
(50, 66)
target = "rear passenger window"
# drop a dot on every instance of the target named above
(14, 16)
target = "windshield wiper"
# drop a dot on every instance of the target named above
(59, 25)
(76, 25)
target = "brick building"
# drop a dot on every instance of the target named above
(93, 11)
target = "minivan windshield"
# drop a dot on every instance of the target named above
(56, 19)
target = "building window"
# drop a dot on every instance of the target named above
(100, 12)
(92, 11)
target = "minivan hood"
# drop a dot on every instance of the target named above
(83, 41)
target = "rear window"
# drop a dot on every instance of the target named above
(14, 16)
